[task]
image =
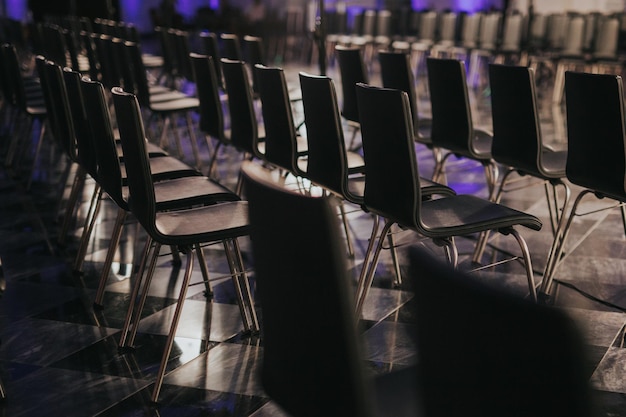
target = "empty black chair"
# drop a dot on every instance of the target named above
(88, 97)
(231, 47)
(183, 229)
(517, 358)
(392, 188)
(517, 137)
(596, 159)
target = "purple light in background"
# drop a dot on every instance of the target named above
(186, 7)
(131, 10)
(16, 9)
(470, 5)
(214, 4)
(419, 4)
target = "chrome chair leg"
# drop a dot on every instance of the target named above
(527, 263)
(368, 251)
(208, 291)
(396, 261)
(193, 140)
(70, 208)
(346, 229)
(173, 327)
(90, 221)
(113, 245)
(133, 295)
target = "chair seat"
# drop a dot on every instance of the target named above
(166, 95)
(182, 104)
(153, 150)
(166, 167)
(185, 192)
(186, 228)
(465, 214)
(356, 164)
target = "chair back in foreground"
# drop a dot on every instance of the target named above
(326, 374)
(516, 358)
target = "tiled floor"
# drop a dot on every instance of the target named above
(59, 356)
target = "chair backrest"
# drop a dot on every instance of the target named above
(396, 72)
(14, 81)
(281, 148)
(596, 132)
(297, 379)
(470, 28)
(352, 71)
(427, 26)
(538, 31)
(516, 128)
(327, 161)
(231, 47)
(518, 357)
(142, 87)
(87, 154)
(211, 112)
(447, 28)
(605, 46)
(243, 122)
(392, 187)
(142, 201)
(512, 33)
(211, 48)
(574, 41)
(452, 126)
(103, 139)
(253, 53)
(489, 30)
(556, 30)
(87, 40)
(61, 111)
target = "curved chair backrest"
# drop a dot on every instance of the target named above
(58, 98)
(142, 201)
(253, 54)
(392, 187)
(574, 41)
(211, 48)
(596, 132)
(82, 130)
(470, 28)
(142, 87)
(489, 30)
(281, 148)
(452, 126)
(88, 42)
(427, 26)
(327, 161)
(605, 46)
(516, 128)
(207, 89)
(107, 67)
(298, 378)
(243, 123)
(14, 76)
(352, 70)
(512, 33)
(183, 49)
(396, 72)
(231, 47)
(542, 373)
(122, 58)
(109, 171)
(447, 28)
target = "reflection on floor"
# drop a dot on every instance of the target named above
(59, 356)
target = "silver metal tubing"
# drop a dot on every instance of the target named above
(113, 245)
(90, 221)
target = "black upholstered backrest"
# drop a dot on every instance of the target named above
(482, 352)
(280, 132)
(352, 70)
(392, 183)
(396, 72)
(327, 162)
(452, 126)
(323, 375)
(207, 90)
(516, 129)
(596, 132)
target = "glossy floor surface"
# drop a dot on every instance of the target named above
(59, 356)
